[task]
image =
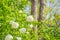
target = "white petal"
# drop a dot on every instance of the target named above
(30, 18)
(9, 37)
(19, 38)
(14, 24)
(22, 30)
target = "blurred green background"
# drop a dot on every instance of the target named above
(18, 11)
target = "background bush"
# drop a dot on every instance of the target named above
(14, 10)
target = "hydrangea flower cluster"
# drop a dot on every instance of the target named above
(19, 38)
(22, 30)
(15, 25)
(9, 37)
(30, 18)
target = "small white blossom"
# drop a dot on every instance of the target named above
(30, 18)
(14, 24)
(18, 38)
(9, 37)
(20, 11)
(30, 25)
(22, 30)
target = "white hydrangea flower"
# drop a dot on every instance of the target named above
(30, 25)
(30, 18)
(22, 30)
(9, 37)
(20, 11)
(19, 38)
(14, 24)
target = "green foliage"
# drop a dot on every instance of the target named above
(13, 10)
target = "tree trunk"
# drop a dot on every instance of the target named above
(34, 11)
(34, 8)
(41, 12)
(41, 17)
